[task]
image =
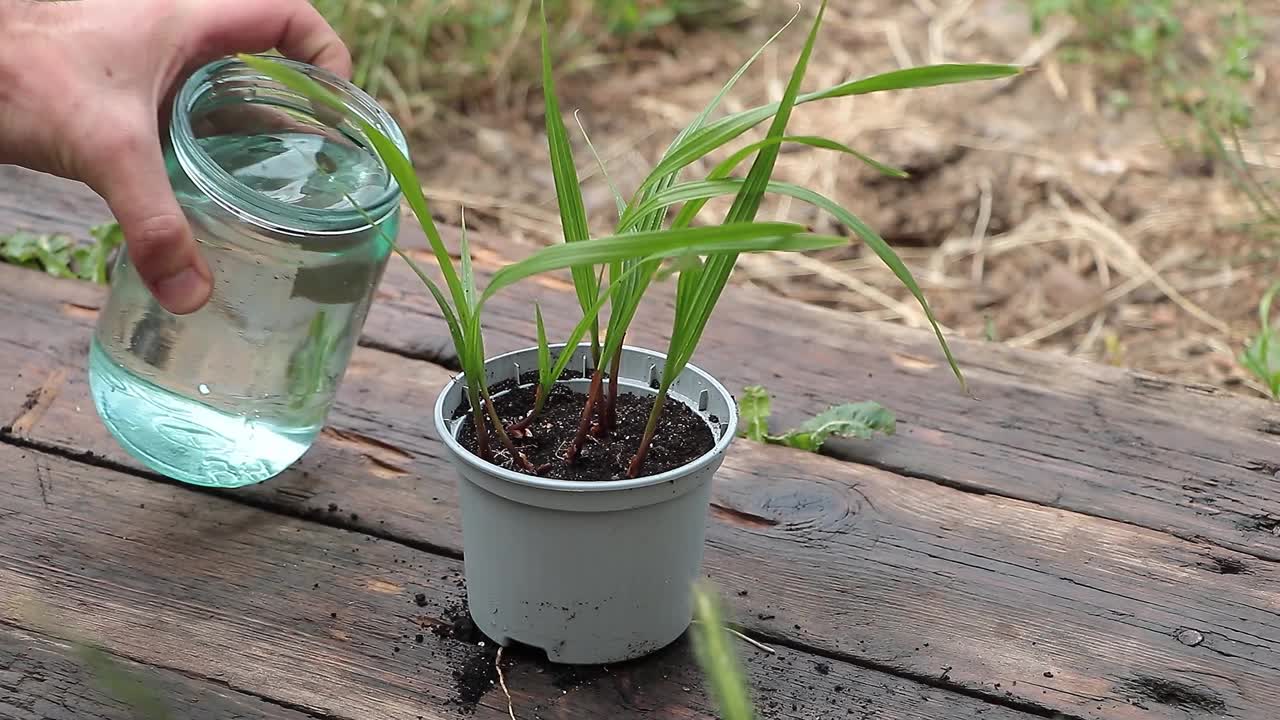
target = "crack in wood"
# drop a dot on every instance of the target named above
(36, 404)
(741, 518)
(365, 444)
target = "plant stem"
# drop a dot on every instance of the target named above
(584, 425)
(482, 430)
(633, 470)
(504, 438)
(610, 419)
(539, 399)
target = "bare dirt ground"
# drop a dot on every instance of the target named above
(1037, 214)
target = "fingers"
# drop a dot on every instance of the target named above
(294, 27)
(131, 177)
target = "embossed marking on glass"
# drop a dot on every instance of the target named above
(236, 392)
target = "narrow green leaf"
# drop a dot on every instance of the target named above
(1264, 306)
(715, 135)
(660, 180)
(573, 214)
(751, 237)
(664, 198)
(691, 319)
(469, 293)
(692, 191)
(716, 656)
(545, 378)
(455, 328)
(397, 164)
(1261, 356)
(754, 408)
(604, 171)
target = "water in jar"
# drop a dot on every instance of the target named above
(237, 391)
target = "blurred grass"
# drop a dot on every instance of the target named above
(418, 54)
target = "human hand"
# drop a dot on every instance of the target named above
(82, 87)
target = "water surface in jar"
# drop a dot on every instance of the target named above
(234, 393)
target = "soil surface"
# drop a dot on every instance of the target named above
(682, 436)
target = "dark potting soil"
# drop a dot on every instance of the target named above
(681, 438)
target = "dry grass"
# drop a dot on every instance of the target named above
(1038, 214)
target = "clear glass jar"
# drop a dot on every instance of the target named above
(235, 392)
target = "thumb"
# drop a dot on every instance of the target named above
(136, 187)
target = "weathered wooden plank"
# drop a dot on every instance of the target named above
(973, 590)
(339, 624)
(43, 679)
(1097, 440)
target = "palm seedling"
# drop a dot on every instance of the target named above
(617, 270)
(461, 302)
(701, 283)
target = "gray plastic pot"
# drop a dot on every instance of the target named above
(591, 573)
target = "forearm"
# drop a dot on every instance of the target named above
(24, 27)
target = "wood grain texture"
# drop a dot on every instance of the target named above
(328, 621)
(968, 590)
(43, 679)
(1121, 445)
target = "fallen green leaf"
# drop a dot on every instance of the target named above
(852, 420)
(62, 257)
(754, 409)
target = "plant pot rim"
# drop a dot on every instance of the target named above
(713, 455)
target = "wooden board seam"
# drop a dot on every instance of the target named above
(282, 704)
(936, 682)
(320, 518)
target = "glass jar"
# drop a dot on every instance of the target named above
(235, 392)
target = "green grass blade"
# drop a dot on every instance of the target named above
(663, 180)
(886, 255)
(468, 273)
(397, 164)
(604, 171)
(715, 135)
(455, 329)
(727, 166)
(573, 214)
(753, 237)
(747, 203)
(691, 318)
(1264, 305)
(544, 351)
(694, 191)
(666, 198)
(917, 77)
(714, 650)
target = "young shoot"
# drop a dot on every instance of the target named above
(616, 271)
(701, 282)
(462, 304)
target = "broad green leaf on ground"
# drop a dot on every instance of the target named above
(853, 420)
(61, 256)
(860, 420)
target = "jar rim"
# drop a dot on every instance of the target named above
(253, 206)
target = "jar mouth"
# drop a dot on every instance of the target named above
(228, 91)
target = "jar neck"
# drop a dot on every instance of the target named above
(229, 96)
